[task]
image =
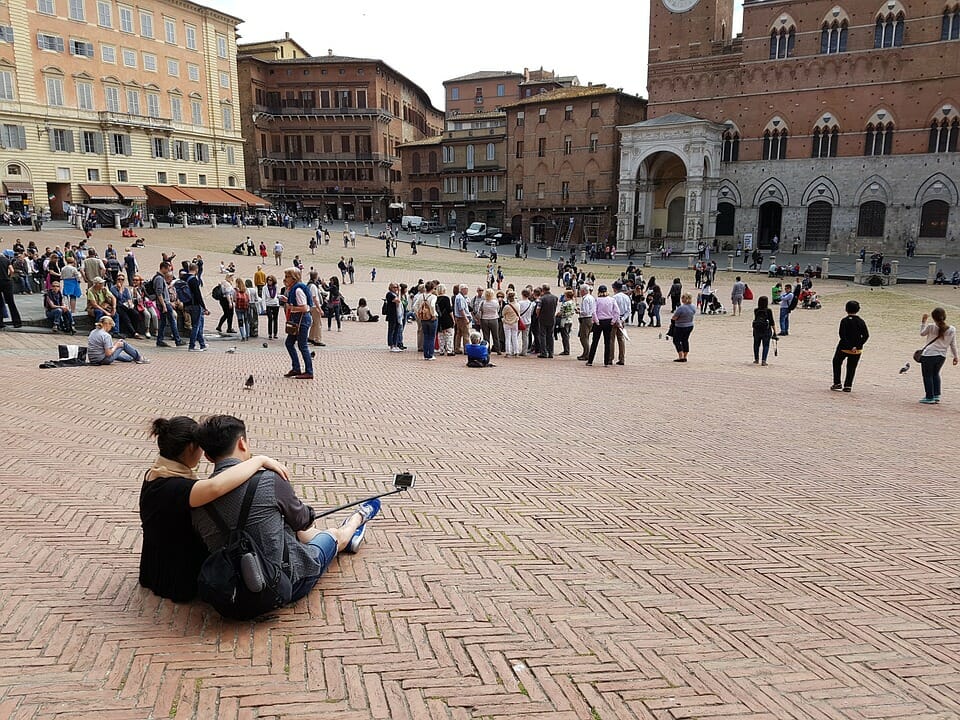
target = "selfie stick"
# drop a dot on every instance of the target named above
(359, 502)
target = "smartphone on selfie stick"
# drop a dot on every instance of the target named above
(401, 483)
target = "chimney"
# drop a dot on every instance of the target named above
(330, 52)
(286, 36)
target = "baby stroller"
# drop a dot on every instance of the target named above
(715, 307)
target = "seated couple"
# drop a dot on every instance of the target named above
(178, 534)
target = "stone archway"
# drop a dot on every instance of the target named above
(663, 158)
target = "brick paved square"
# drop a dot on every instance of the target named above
(657, 540)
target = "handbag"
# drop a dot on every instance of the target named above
(293, 327)
(917, 354)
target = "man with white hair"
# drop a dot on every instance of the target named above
(588, 303)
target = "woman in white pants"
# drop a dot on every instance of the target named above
(511, 327)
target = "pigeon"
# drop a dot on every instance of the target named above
(265, 345)
(313, 353)
(249, 383)
(231, 351)
(904, 368)
(659, 336)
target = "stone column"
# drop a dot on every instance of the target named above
(858, 272)
(693, 215)
(729, 262)
(931, 273)
(625, 214)
(894, 270)
(213, 219)
(183, 220)
(825, 268)
(648, 260)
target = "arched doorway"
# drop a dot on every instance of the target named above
(819, 219)
(538, 229)
(660, 200)
(516, 225)
(933, 219)
(771, 215)
(726, 215)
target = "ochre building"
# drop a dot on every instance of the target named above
(99, 99)
(835, 123)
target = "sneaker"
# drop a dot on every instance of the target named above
(142, 361)
(928, 401)
(303, 376)
(395, 349)
(368, 510)
(195, 349)
(848, 389)
(763, 364)
(838, 388)
(161, 343)
(936, 399)
(180, 343)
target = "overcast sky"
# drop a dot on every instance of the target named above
(603, 41)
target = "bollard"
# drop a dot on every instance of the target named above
(116, 221)
(894, 269)
(213, 219)
(263, 221)
(648, 260)
(691, 259)
(858, 271)
(183, 220)
(931, 273)
(729, 262)
(583, 257)
(549, 253)
(825, 265)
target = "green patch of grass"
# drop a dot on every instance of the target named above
(594, 715)
(523, 690)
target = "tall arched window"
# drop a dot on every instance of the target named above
(469, 157)
(826, 137)
(873, 215)
(417, 194)
(889, 30)
(731, 146)
(782, 42)
(833, 37)
(878, 139)
(950, 30)
(944, 131)
(434, 194)
(432, 161)
(933, 219)
(774, 144)
(415, 163)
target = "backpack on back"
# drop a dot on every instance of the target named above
(425, 310)
(793, 302)
(236, 579)
(184, 293)
(150, 288)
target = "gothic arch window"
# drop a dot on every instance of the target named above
(833, 37)
(950, 30)
(873, 215)
(434, 194)
(933, 219)
(775, 140)
(782, 42)
(944, 131)
(730, 150)
(878, 137)
(889, 30)
(826, 137)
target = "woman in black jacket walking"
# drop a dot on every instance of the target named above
(763, 329)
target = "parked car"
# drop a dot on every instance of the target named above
(430, 226)
(411, 222)
(481, 231)
(502, 238)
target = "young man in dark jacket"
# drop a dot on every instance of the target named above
(853, 336)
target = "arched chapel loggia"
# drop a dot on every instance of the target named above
(669, 176)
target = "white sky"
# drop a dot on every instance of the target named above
(603, 41)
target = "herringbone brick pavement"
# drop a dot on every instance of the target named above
(715, 540)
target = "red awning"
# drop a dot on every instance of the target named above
(100, 192)
(247, 198)
(168, 194)
(131, 192)
(18, 188)
(210, 196)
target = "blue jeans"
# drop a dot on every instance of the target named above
(930, 369)
(429, 336)
(127, 353)
(324, 547)
(299, 341)
(759, 340)
(394, 333)
(97, 314)
(784, 321)
(61, 319)
(167, 316)
(655, 315)
(196, 322)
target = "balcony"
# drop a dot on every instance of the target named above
(270, 113)
(118, 119)
(315, 157)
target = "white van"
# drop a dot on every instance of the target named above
(410, 222)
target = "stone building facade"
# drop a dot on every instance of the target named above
(834, 122)
(460, 177)
(99, 99)
(563, 163)
(324, 131)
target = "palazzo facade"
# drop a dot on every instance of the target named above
(837, 123)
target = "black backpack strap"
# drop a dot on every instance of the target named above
(218, 520)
